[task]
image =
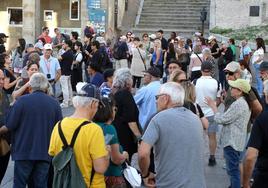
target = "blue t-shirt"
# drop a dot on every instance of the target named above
(97, 79)
(31, 121)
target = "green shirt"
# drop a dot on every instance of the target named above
(233, 49)
(113, 169)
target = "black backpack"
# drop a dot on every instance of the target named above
(116, 50)
(66, 172)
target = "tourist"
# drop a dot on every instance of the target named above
(106, 87)
(126, 119)
(138, 64)
(77, 65)
(31, 121)
(157, 56)
(176, 135)
(234, 131)
(45, 35)
(89, 148)
(17, 56)
(195, 63)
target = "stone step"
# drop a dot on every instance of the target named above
(174, 5)
(156, 9)
(167, 14)
(174, 27)
(170, 18)
(171, 12)
(168, 22)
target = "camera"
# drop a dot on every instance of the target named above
(48, 76)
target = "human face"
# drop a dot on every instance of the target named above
(162, 101)
(8, 60)
(172, 67)
(147, 78)
(236, 93)
(145, 37)
(76, 47)
(110, 79)
(136, 43)
(32, 69)
(2, 79)
(231, 75)
(47, 53)
(158, 35)
(264, 75)
(181, 78)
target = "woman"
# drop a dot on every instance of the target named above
(106, 87)
(257, 59)
(95, 76)
(207, 56)
(126, 119)
(147, 46)
(138, 64)
(170, 53)
(22, 86)
(234, 131)
(104, 117)
(77, 65)
(246, 72)
(10, 79)
(177, 76)
(195, 63)
(17, 57)
(157, 57)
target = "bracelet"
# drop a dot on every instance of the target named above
(147, 175)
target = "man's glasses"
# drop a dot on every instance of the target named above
(229, 73)
(157, 96)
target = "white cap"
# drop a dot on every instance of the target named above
(101, 40)
(152, 36)
(48, 46)
(210, 38)
(123, 37)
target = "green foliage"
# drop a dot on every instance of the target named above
(221, 31)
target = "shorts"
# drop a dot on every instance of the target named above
(212, 125)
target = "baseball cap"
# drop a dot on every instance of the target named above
(155, 72)
(48, 46)
(232, 66)
(3, 35)
(152, 36)
(206, 66)
(264, 66)
(240, 84)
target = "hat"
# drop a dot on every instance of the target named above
(3, 35)
(155, 72)
(206, 66)
(210, 38)
(241, 84)
(152, 36)
(39, 45)
(101, 40)
(264, 66)
(232, 66)
(88, 90)
(48, 46)
(123, 37)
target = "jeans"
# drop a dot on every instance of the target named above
(232, 165)
(30, 172)
(258, 78)
(65, 82)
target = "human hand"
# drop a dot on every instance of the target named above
(108, 148)
(211, 103)
(149, 181)
(126, 155)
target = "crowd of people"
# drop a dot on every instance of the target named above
(147, 96)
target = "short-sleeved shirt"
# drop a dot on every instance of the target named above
(176, 135)
(113, 169)
(50, 66)
(66, 62)
(97, 79)
(259, 140)
(214, 49)
(89, 145)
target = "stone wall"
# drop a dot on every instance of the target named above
(235, 13)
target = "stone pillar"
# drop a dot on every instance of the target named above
(213, 14)
(110, 29)
(84, 17)
(31, 20)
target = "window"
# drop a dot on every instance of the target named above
(74, 9)
(48, 15)
(254, 11)
(15, 16)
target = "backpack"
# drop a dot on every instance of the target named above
(116, 51)
(105, 61)
(66, 172)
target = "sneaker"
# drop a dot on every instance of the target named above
(212, 162)
(62, 105)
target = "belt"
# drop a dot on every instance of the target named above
(51, 81)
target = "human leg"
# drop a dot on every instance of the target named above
(22, 173)
(65, 90)
(3, 165)
(39, 174)
(212, 138)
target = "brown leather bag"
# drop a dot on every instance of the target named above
(4, 147)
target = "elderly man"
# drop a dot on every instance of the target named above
(89, 147)
(144, 97)
(176, 135)
(31, 121)
(50, 66)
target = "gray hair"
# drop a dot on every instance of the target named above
(122, 79)
(39, 82)
(175, 91)
(206, 51)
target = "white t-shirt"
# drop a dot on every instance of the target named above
(79, 57)
(206, 86)
(258, 54)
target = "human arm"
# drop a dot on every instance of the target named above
(3, 130)
(248, 166)
(116, 157)
(158, 55)
(19, 90)
(8, 84)
(144, 152)
(134, 128)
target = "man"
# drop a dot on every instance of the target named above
(66, 61)
(176, 135)
(121, 53)
(74, 37)
(257, 151)
(50, 66)
(89, 147)
(45, 35)
(3, 40)
(206, 86)
(95, 56)
(31, 121)
(59, 38)
(264, 77)
(87, 51)
(164, 42)
(245, 51)
(144, 97)
(171, 66)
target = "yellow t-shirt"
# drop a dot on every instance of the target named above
(89, 145)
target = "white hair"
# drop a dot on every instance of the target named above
(175, 91)
(122, 78)
(81, 101)
(206, 51)
(39, 82)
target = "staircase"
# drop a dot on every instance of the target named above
(181, 16)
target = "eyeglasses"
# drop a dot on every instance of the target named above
(145, 36)
(229, 73)
(157, 96)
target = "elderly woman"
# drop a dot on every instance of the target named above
(126, 119)
(207, 56)
(234, 132)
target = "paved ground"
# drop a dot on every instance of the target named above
(215, 176)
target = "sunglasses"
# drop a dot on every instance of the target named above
(157, 96)
(229, 73)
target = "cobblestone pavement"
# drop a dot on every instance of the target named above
(216, 176)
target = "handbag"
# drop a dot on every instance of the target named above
(132, 176)
(4, 147)
(142, 59)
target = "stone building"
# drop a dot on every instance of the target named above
(238, 14)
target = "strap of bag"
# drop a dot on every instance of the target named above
(142, 58)
(63, 139)
(199, 57)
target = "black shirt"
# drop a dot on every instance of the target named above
(66, 63)
(164, 44)
(12, 78)
(214, 49)
(2, 48)
(259, 140)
